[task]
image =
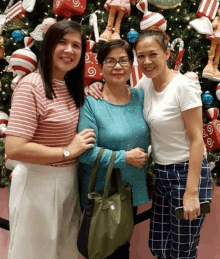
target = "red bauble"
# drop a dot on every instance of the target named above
(92, 71)
(211, 131)
(68, 8)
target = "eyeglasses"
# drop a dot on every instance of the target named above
(111, 62)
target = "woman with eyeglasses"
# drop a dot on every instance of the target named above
(116, 128)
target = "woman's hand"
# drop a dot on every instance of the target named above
(191, 206)
(136, 157)
(95, 90)
(82, 141)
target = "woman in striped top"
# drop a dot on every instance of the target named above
(42, 135)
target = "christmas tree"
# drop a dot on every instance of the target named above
(194, 59)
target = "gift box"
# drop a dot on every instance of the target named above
(92, 71)
(211, 131)
(68, 8)
(208, 8)
(16, 12)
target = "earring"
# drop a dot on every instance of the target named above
(100, 73)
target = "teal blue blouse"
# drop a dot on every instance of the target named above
(119, 128)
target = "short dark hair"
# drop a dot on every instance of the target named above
(160, 36)
(74, 78)
(114, 44)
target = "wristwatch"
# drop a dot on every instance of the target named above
(66, 153)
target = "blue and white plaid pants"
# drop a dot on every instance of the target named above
(169, 237)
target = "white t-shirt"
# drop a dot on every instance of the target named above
(162, 112)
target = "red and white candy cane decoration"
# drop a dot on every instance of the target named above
(136, 73)
(180, 52)
(211, 130)
(3, 123)
(23, 61)
(208, 8)
(150, 18)
(16, 12)
(218, 92)
(212, 113)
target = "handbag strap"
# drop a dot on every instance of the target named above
(120, 184)
(108, 177)
(94, 169)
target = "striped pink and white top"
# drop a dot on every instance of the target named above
(51, 123)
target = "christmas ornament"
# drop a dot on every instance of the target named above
(218, 92)
(202, 25)
(10, 4)
(132, 36)
(2, 22)
(165, 4)
(16, 12)
(69, 8)
(192, 75)
(150, 18)
(136, 73)
(119, 8)
(23, 61)
(2, 49)
(37, 33)
(207, 98)
(29, 5)
(3, 123)
(47, 23)
(211, 69)
(180, 52)
(17, 35)
(92, 71)
(211, 131)
(93, 22)
(208, 8)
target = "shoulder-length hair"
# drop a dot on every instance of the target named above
(111, 45)
(74, 78)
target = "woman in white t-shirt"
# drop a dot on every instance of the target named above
(172, 108)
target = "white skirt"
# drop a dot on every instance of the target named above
(44, 212)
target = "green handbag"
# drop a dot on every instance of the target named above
(108, 216)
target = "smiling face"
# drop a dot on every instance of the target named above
(66, 55)
(117, 74)
(151, 57)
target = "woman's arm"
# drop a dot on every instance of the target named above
(22, 149)
(193, 123)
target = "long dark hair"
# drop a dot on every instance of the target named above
(74, 78)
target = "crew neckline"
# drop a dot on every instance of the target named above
(162, 92)
(120, 105)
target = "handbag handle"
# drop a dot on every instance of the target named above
(108, 177)
(94, 169)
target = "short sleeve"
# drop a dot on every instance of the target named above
(190, 95)
(24, 114)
